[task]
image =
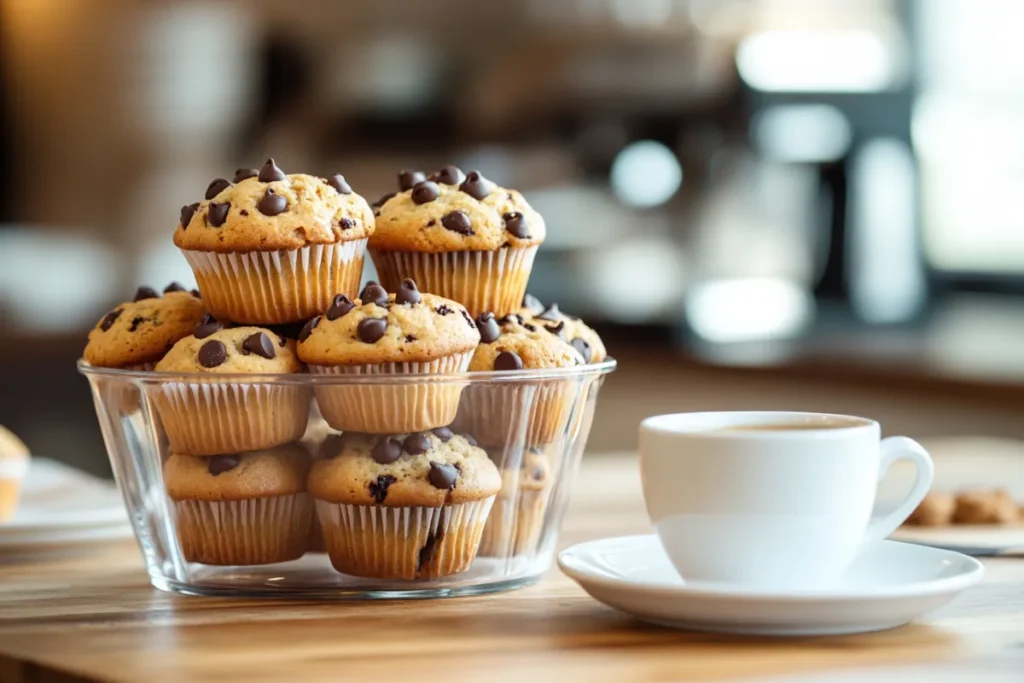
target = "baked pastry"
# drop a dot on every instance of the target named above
(570, 328)
(500, 413)
(137, 334)
(517, 516)
(226, 415)
(241, 508)
(404, 332)
(985, 506)
(936, 509)
(459, 236)
(14, 461)
(403, 506)
(274, 248)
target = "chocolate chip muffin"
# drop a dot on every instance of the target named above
(218, 413)
(403, 506)
(241, 508)
(500, 413)
(517, 517)
(459, 236)
(570, 328)
(403, 332)
(136, 334)
(985, 506)
(267, 247)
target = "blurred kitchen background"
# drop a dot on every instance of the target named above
(760, 203)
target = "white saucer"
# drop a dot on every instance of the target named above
(888, 586)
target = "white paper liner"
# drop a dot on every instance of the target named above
(479, 280)
(402, 542)
(515, 523)
(244, 532)
(392, 409)
(267, 287)
(209, 418)
(495, 414)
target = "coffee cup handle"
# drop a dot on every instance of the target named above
(897, 448)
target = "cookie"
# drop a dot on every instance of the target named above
(224, 414)
(459, 236)
(241, 508)
(268, 247)
(985, 506)
(381, 333)
(403, 506)
(137, 334)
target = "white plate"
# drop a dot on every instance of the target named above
(889, 585)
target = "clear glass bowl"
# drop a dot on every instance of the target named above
(533, 424)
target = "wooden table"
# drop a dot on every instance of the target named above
(97, 618)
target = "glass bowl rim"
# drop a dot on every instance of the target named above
(306, 379)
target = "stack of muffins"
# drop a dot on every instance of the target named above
(404, 480)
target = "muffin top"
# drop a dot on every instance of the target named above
(422, 469)
(266, 210)
(452, 211)
(214, 349)
(570, 328)
(514, 344)
(143, 330)
(275, 471)
(379, 327)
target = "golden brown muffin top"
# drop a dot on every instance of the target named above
(213, 349)
(570, 328)
(277, 471)
(514, 344)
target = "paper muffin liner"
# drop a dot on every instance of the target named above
(243, 532)
(12, 473)
(383, 542)
(514, 525)
(210, 418)
(268, 287)
(479, 280)
(392, 409)
(496, 414)
(315, 543)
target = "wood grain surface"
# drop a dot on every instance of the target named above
(97, 618)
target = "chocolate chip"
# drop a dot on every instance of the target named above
(583, 347)
(216, 187)
(469, 439)
(136, 321)
(443, 433)
(428, 553)
(424, 192)
(369, 330)
(260, 344)
(387, 451)
(476, 186)
(212, 353)
(173, 287)
(271, 203)
(442, 476)
(145, 293)
(449, 175)
(206, 326)
(532, 304)
(338, 182)
(270, 172)
(408, 179)
(245, 173)
(346, 224)
(416, 443)
(331, 446)
(219, 464)
(511, 319)
(508, 360)
(243, 212)
(531, 328)
(458, 221)
(550, 313)
(515, 223)
(410, 338)
(283, 342)
(537, 473)
(443, 309)
(382, 200)
(488, 326)
(308, 328)
(196, 294)
(374, 293)
(379, 488)
(465, 316)
(557, 330)
(407, 293)
(339, 307)
(187, 212)
(217, 213)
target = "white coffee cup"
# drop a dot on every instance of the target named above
(773, 499)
